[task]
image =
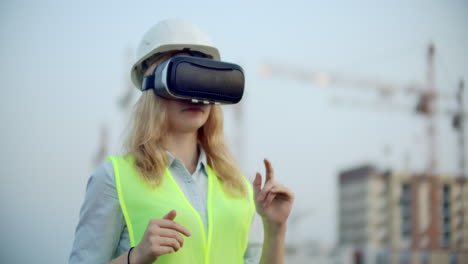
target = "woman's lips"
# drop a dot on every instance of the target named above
(193, 109)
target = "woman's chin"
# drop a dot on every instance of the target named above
(187, 127)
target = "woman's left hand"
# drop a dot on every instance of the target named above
(273, 201)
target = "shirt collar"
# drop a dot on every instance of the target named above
(201, 164)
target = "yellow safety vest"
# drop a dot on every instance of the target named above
(229, 218)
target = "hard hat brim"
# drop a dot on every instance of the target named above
(136, 71)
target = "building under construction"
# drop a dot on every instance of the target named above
(390, 217)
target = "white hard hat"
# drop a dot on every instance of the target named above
(168, 35)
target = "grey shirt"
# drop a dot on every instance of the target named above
(102, 235)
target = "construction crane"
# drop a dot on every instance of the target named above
(124, 103)
(458, 123)
(426, 93)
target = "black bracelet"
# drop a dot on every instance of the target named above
(128, 256)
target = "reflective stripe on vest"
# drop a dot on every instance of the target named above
(228, 218)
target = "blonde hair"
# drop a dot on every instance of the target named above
(149, 128)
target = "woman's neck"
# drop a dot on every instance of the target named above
(184, 147)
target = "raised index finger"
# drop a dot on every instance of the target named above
(269, 170)
(174, 226)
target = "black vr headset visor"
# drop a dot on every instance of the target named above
(198, 80)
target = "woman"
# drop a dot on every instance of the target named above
(177, 196)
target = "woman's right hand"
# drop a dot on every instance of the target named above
(161, 237)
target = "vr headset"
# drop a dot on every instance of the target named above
(198, 80)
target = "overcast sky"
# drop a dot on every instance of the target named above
(63, 69)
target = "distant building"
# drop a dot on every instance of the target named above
(311, 252)
(389, 217)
